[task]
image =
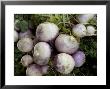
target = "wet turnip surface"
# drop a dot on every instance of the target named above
(67, 44)
(42, 53)
(46, 31)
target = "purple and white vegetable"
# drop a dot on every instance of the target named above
(64, 63)
(25, 44)
(42, 53)
(79, 58)
(33, 70)
(26, 60)
(90, 30)
(79, 30)
(67, 44)
(15, 36)
(26, 34)
(84, 18)
(46, 31)
(36, 70)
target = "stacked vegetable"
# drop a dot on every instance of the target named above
(48, 44)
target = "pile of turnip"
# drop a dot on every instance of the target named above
(68, 55)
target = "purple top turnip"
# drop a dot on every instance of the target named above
(26, 34)
(67, 44)
(26, 60)
(79, 30)
(64, 63)
(42, 53)
(84, 18)
(90, 30)
(79, 58)
(36, 70)
(25, 44)
(46, 31)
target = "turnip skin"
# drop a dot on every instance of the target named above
(90, 30)
(15, 36)
(64, 63)
(42, 53)
(79, 58)
(33, 70)
(44, 69)
(84, 18)
(25, 44)
(67, 44)
(47, 31)
(79, 30)
(36, 70)
(26, 34)
(26, 60)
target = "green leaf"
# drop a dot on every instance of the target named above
(23, 25)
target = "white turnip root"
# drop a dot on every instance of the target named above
(26, 60)
(25, 44)
(79, 30)
(67, 44)
(42, 53)
(64, 63)
(46, 31)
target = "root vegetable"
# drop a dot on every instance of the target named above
(36, 70)
(46, 31)
(64, 63)
(42, 53)
(26, 60)
(84, 18)
(67, 44)
(25, 44)
(79, 58)
(33, 70)
(90, 30)
(79, 30)
(26, 34)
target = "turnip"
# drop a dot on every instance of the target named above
(25, 44)
(42, 53)
(27, 34)
(46, 31)
(79, 58)
(15, 36)
(36, 70)
(44, 69)
(90, 30)
(79, 30)
(67, 44)
(26, 60)
(33, 70)
(64, 63)
(84, 18)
